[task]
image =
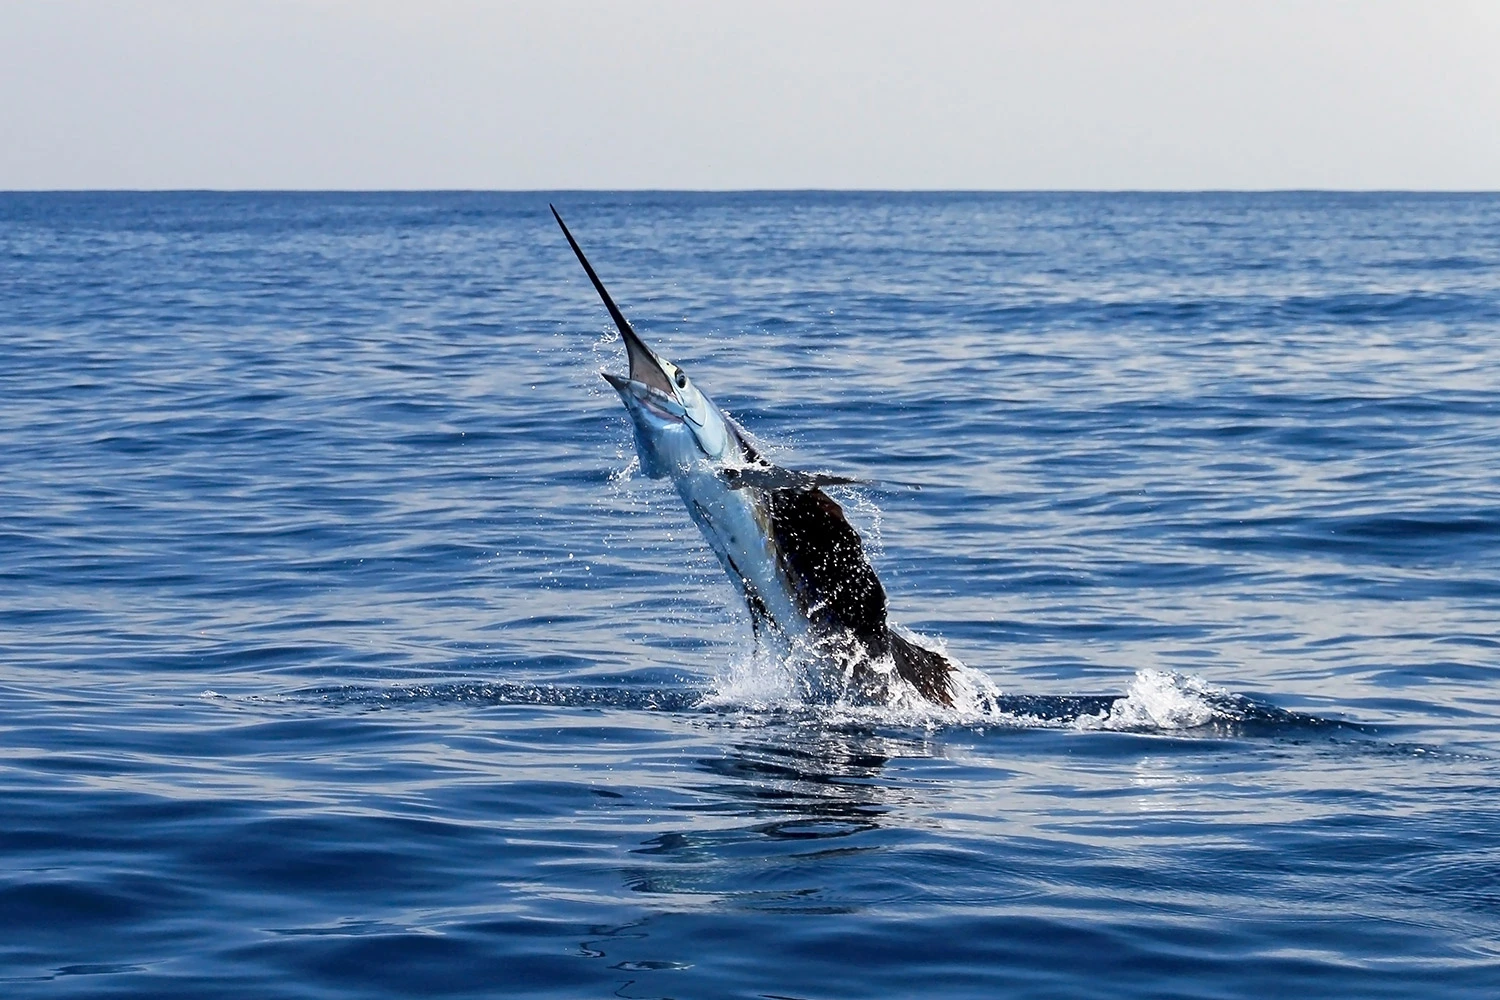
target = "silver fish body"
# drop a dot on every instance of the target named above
(786, 545)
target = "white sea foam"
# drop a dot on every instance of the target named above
(1160, 699)
(763, 682)
(755, 681)
(1157, 700)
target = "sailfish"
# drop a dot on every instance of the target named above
(800, 567)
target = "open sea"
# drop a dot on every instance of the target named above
(344, 655)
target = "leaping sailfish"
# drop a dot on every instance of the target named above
(785, 543)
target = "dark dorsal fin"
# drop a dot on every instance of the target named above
(826, 562)
(747, 447)
(838, 588)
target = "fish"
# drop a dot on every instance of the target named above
(813, 598)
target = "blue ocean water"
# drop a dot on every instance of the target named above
(342, 654)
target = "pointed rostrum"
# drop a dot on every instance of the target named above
(644, 365)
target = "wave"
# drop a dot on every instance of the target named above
(1156, 701)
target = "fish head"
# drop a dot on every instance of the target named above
(675, 425)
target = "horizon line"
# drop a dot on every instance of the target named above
(748, 190)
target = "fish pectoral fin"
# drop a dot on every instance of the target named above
(764, 476)
(774, 477)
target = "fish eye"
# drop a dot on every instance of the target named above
(681, 380)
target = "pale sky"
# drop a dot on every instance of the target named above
(1044, 94)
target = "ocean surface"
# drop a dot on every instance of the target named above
(343, 654)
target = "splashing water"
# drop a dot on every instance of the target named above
(1164, 699)
(1156, 700)
(762, 681)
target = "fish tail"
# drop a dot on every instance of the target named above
(923, 669)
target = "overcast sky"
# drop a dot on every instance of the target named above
(657, 94)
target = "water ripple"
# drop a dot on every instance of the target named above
(344, 655)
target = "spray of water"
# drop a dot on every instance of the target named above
(1156, 701)
(1164, 699)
